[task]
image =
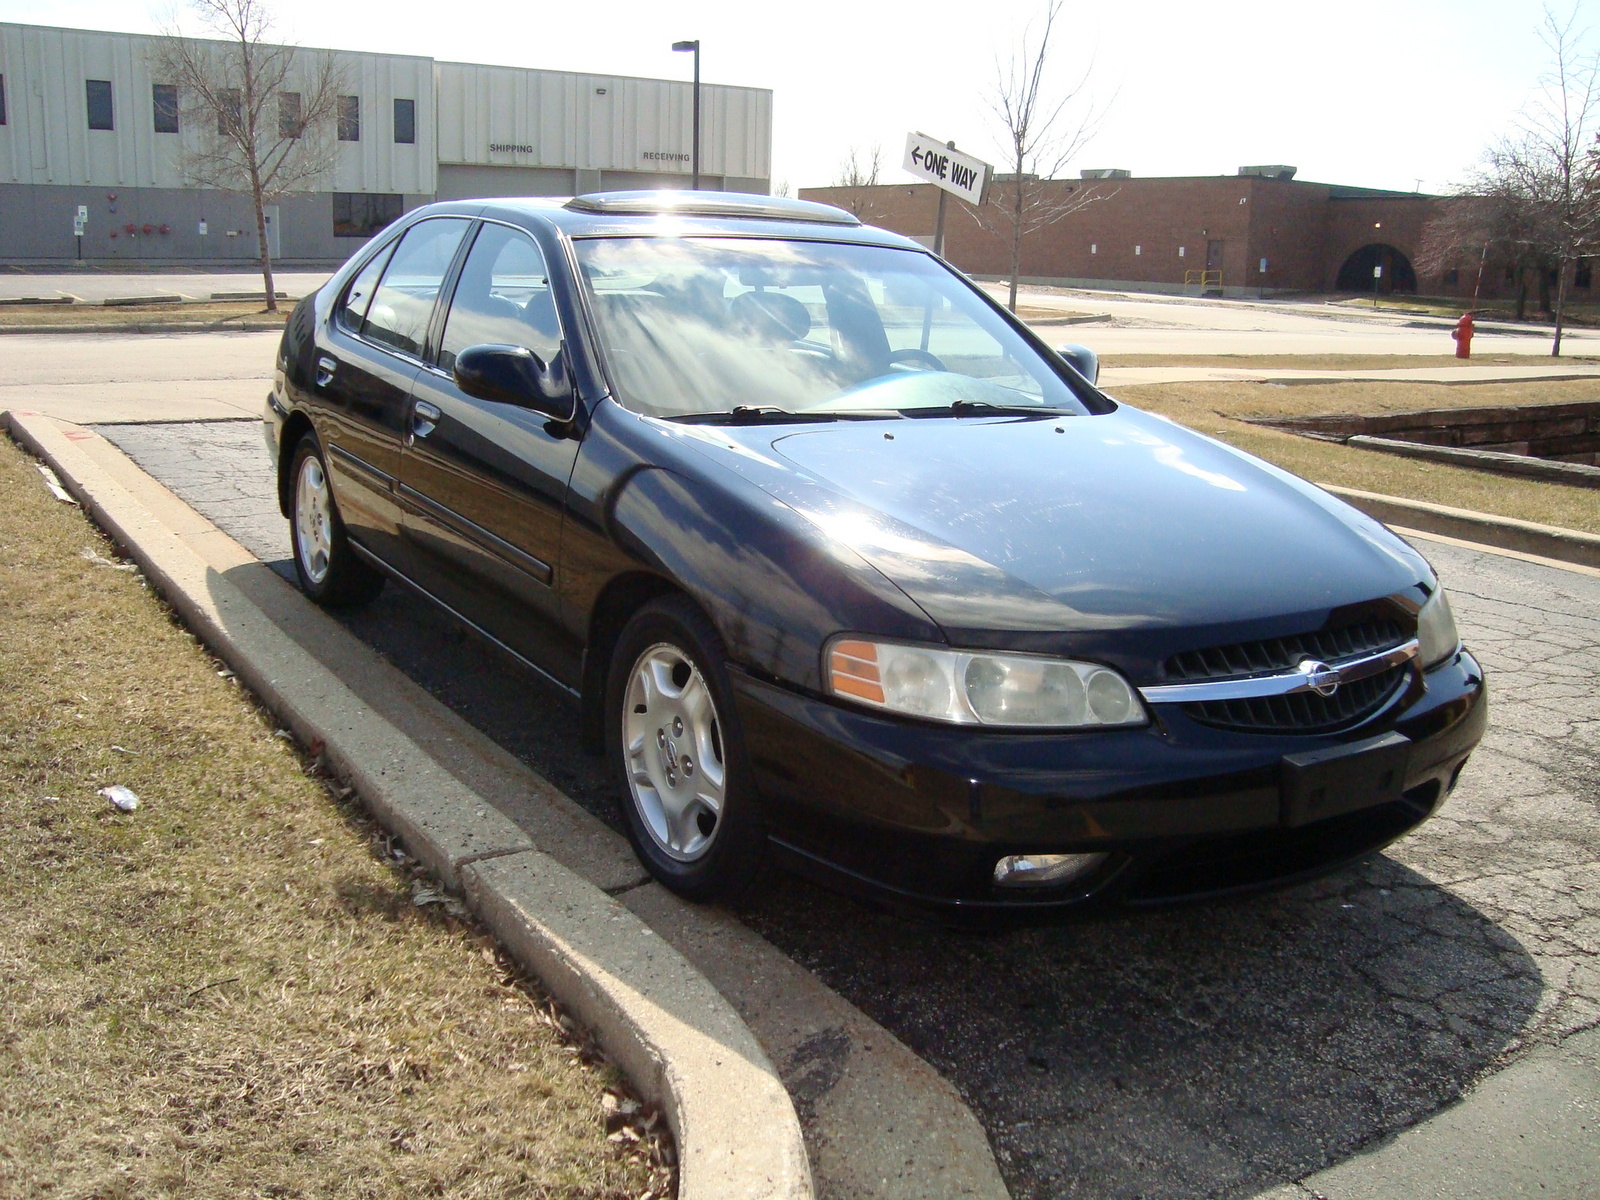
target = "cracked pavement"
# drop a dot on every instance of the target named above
(1215, 1051)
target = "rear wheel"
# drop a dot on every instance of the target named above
(329, 571)
(673, 739)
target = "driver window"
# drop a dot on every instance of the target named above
(503, 298)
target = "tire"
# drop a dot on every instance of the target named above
(329, 571)
(673, 738)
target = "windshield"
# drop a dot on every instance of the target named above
(729, 327)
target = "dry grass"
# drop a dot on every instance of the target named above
(232, 991)
(1337, 362)
(221, 314)
(1218, 409)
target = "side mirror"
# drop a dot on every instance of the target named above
(1082, 360)
(515, 375)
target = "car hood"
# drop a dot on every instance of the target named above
(1115, 521)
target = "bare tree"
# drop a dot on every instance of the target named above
(1043, 127)
(1488, 219)
(1549, 158)
(858, 175)
(258, 118)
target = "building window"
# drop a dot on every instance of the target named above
(349, 118)
(362, 214)
(2, 99)
(289, 123)
(1452, 277)
(98, 92)
(405, 122)
(164, 99)
(1583, 276)
(230, 113)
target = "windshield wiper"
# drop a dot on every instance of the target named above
(983, 408)
(766, 414)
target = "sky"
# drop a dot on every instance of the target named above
(1400, 94)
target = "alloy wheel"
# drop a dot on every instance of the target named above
(672, 746)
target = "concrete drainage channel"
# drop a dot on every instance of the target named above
(693, 1005)
(1555, 442)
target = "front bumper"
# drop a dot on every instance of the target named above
(919, 813)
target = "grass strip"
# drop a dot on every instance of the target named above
(240, 987)
(220, 313)
(1220, 409)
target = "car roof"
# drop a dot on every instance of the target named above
(735, 214)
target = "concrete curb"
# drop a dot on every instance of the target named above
(1528, 537)
(669, 1029)
(1550, 470)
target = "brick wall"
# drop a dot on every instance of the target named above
(1131, 231)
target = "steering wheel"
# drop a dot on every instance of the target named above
(915, 357)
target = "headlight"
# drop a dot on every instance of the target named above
(1437, 639)
(980, 689)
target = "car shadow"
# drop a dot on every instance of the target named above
(1211, 1050)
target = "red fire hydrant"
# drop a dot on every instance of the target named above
(1463, 336)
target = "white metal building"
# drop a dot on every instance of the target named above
(84, 122)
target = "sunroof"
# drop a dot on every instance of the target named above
(710, 204)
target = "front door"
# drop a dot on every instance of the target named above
(484, 484)
(1214, 255)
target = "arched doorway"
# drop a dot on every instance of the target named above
(1356, 274)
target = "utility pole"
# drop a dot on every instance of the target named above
(684, 47)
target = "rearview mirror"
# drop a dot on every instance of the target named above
(515, 375)
(1082, 360)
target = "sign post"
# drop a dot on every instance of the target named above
(938, 163)
(78, 223)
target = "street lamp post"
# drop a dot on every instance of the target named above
(695, 46)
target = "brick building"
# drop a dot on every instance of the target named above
(1245, 235)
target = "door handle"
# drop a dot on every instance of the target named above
(325, 368)
(424, 417)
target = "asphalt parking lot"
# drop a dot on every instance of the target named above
(1213, 1051)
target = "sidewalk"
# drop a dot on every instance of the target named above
(1120, 377)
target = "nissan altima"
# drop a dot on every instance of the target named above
(845, 568)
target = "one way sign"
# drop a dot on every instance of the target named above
(959, 174)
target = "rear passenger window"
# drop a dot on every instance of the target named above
(404, 301)
(503, 297)
(352, 309)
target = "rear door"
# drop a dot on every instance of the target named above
(484, 483)
(364, 371)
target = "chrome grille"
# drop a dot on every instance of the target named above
(1304, 712)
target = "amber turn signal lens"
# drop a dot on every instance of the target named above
(853, 667)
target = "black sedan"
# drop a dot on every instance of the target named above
(847, 568)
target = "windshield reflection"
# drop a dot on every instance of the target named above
(697, 326)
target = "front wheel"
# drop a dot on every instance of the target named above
(673, 738)
(329, 571)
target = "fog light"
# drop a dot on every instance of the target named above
(1044, 870)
